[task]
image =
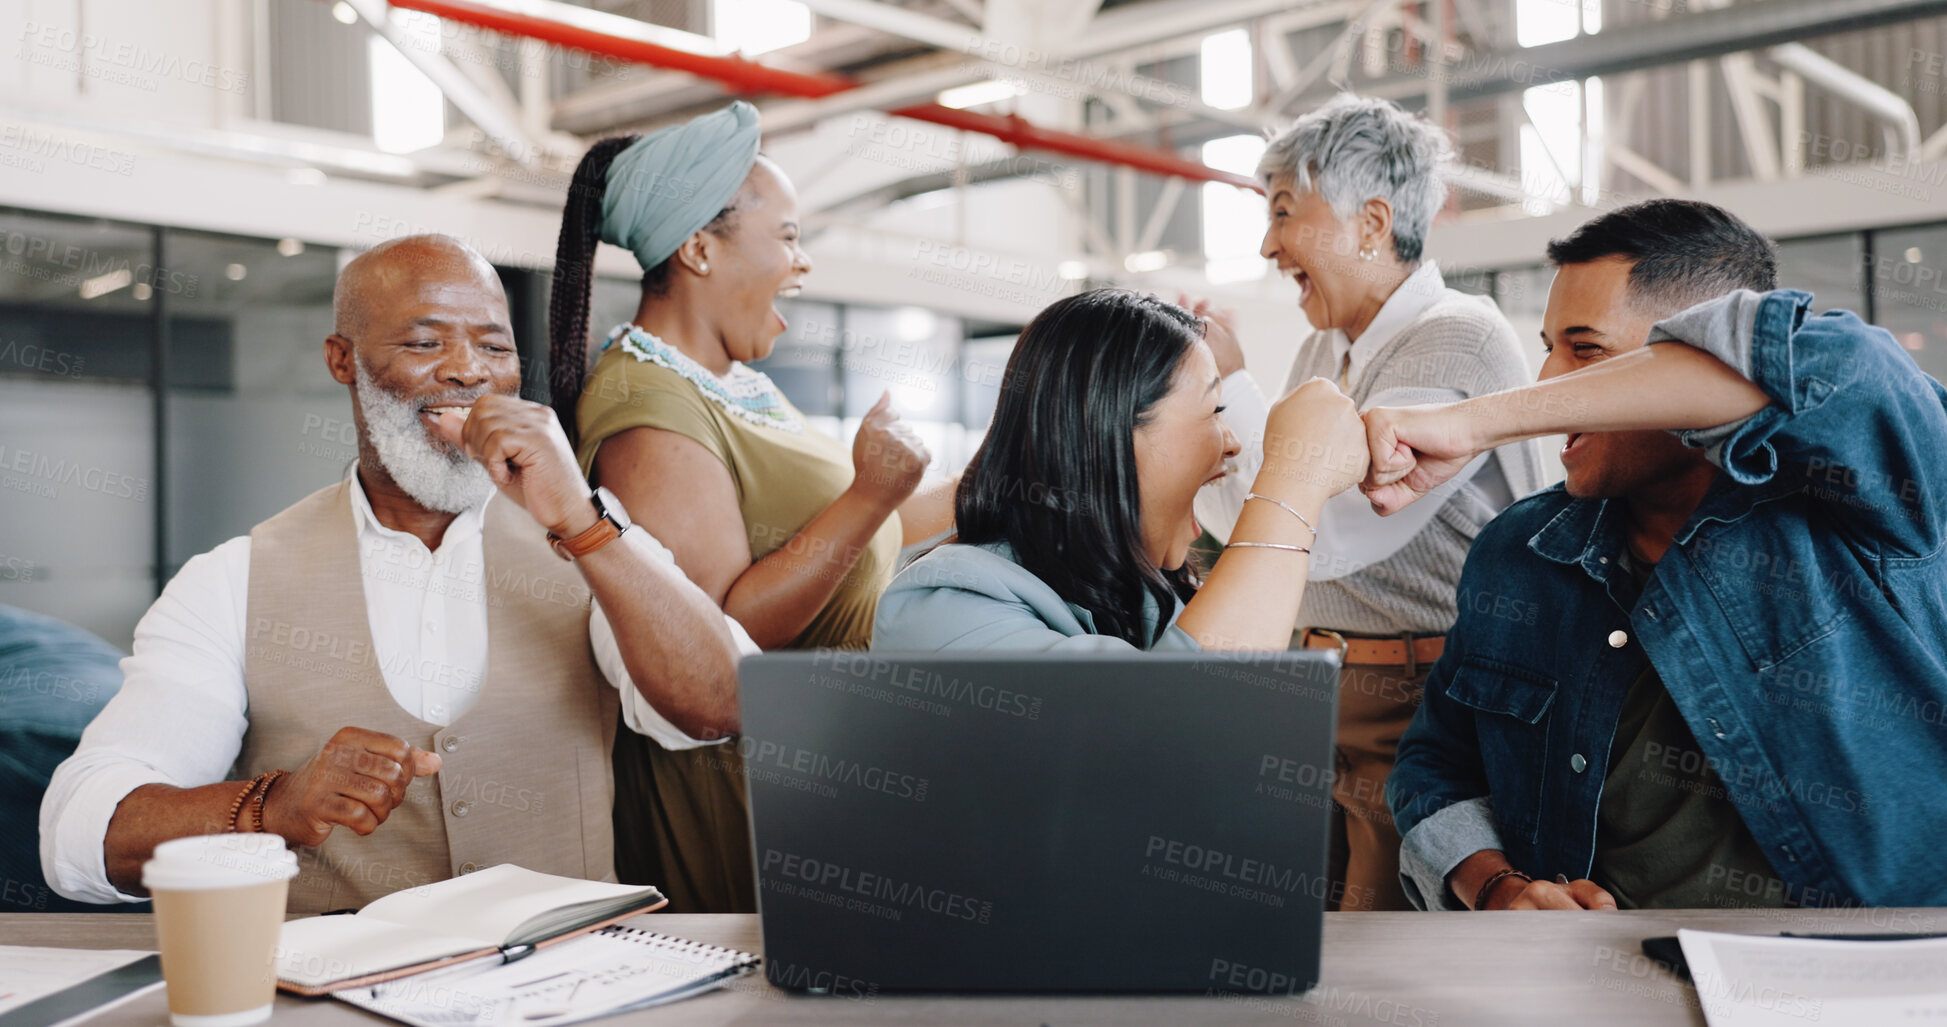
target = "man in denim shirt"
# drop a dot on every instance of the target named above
(1708, 668)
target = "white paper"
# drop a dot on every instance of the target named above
(591, 976)
(27, 973)
(1747, 981)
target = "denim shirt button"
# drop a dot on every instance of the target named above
(1577, 763)
(1618, 639)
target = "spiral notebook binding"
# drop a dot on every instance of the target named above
(683, 945)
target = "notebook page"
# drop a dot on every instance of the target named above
(321, 949)
(492, 904)
(591, 976)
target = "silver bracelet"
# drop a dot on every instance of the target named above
(1266, 545)
(1248, 496)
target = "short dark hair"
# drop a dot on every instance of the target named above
(1685, 252)
(1056, 476)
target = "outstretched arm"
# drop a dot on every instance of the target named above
(1415, 449)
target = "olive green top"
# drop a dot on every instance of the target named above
(1668, 834)
(783, 478)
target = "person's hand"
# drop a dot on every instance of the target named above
(1313, 442)
(1414, 450)
(1514, 893)
(528, 456)
(888, 459)
(355, 781)
(1219, 333)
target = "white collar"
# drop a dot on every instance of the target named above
(1408, 301)
(365, 522)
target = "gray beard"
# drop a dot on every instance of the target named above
(435, 475)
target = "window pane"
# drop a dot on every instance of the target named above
(255, 421)
(77, 447)
(1829, 268)
(1910, 300)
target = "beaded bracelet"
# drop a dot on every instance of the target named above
(269, 778)
(236, 806)
(258, 789)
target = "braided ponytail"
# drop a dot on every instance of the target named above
(574, 279)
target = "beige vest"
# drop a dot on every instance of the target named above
(525, 776)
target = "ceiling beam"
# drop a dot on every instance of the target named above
(1710, 33)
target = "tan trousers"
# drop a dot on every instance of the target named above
(1375, 705)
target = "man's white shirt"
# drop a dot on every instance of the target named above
(180, 716)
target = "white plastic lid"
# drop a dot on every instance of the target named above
(219, 861)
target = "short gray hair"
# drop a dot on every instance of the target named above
(1355, 148)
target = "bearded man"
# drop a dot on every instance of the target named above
(415, 620)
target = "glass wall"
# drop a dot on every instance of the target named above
(1909, 297)
(255, 422)
(1830, 267)
(77, 416)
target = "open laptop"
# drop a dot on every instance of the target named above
(1040, 823)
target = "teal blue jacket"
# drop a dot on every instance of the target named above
(977, 597)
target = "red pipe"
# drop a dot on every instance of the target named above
(746, 76)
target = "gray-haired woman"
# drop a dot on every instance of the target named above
(1353, 188)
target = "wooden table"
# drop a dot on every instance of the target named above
(1398, 969)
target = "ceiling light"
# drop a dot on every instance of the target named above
(1147, 260)
(344, 13)
(235, 272)
(290, 247)
(102, 285)
(990, 91)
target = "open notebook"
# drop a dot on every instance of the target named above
(608, 971)
(504, 909)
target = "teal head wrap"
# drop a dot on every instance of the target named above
(670, 183)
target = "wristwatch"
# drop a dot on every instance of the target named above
(612, 519)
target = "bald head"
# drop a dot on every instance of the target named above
(396, 270)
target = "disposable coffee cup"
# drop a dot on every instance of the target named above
(219, 904)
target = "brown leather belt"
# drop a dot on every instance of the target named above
(1410, 652)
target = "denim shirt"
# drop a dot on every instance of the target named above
(1798, 622)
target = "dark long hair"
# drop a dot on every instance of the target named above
(1056, 476)
(574, 277)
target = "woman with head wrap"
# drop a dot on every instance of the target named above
(794, 534)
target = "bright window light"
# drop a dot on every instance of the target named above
(1226, 68)
(990, 91)
(1551, 147)
(1591, 17)
(408, 110)
(760, 26)
(1147, 260)
(1545, 21)
(1592, 158)
(1233, 218)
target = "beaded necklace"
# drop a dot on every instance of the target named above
(747, 394)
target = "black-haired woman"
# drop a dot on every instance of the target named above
(790, 531)
(1074, 518)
